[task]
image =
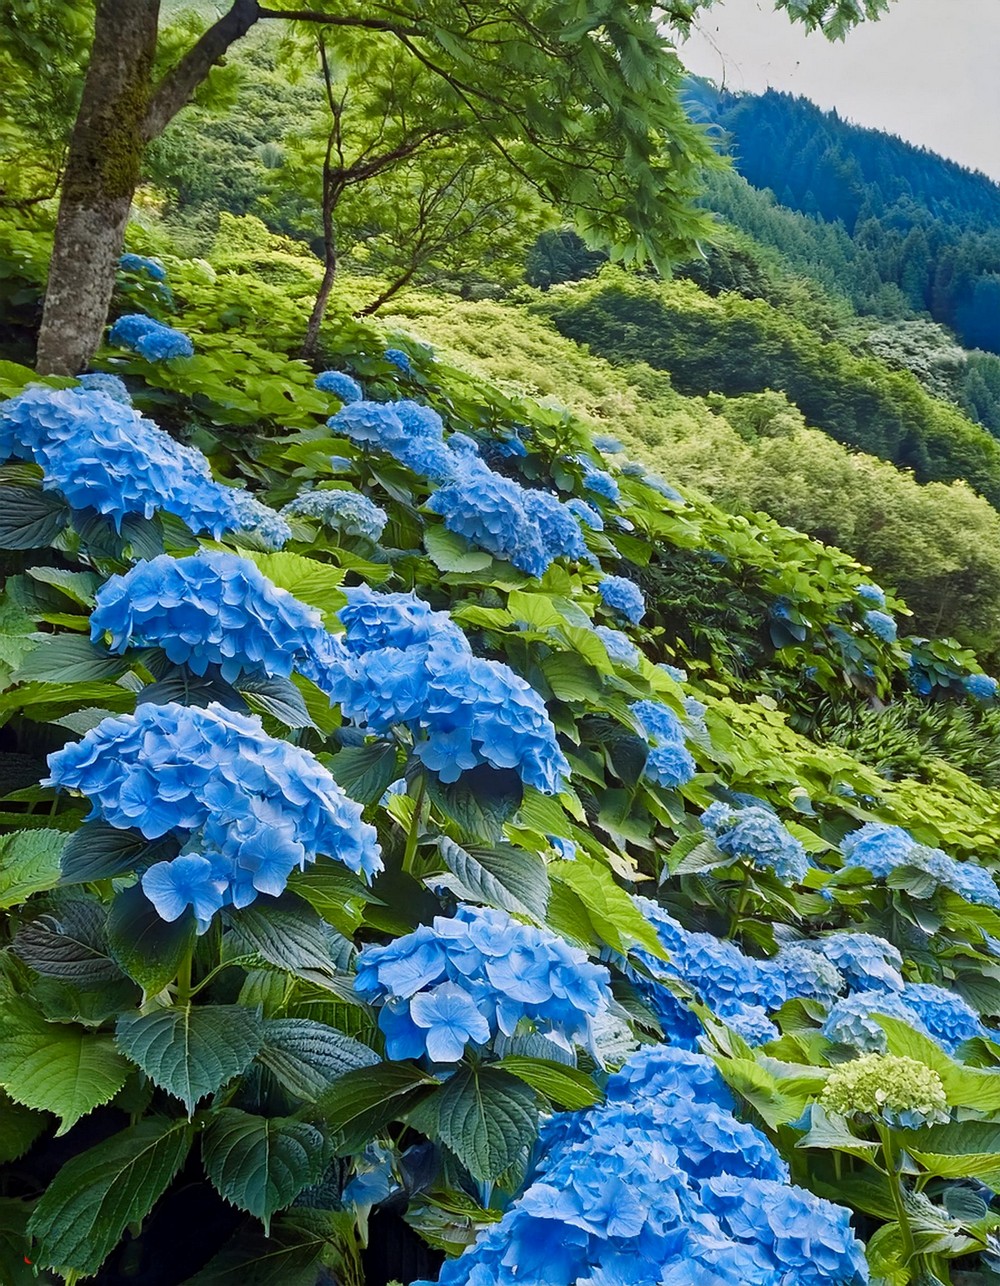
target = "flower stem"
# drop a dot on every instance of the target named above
(183, 994)
(891, 1159)
(741, 902)
(410, 852)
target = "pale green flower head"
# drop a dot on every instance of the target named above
(899, 1091)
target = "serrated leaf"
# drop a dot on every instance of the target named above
(69, 944)
(480, 802)
(261, 1164)
(19, 1127)
(192, 1050)
(362, 1102)
(56, 1068)
(29, 863)
(487, 1118)
(336, 894)
(505, 877)
(613, 913)
(288, 933)
(278, 697)
(958, 1150)
(98, 851)
(98, 1194)
(366, 772)
(81, 587)
(146, 947)
(571, 678)
(30, 518)
(566, 1087)
(705, 856)
(450, 552)
(68, 658)
(307, 1057)
(308, 580)
(286, 1256)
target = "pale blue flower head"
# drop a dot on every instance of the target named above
(344, 387)
(150, 338)
(624, 597)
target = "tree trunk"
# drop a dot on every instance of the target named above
(102, 172)
(311, 341)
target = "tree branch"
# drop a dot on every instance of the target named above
(178, 85)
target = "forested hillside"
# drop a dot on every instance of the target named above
(498, 781)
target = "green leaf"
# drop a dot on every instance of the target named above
(277, 697)
(289, 934)
(366, 772)
(69, 944)
(571, 678)
(965, 1086)
(566, 1087)
(487, 1118)
(287, 1255)
(310, 581)
(29, 863)
(958, 1150)
(192, 1050)
(19, 1127)
(831, 1133)
(56, 1068)
(506, 877)
(536, 610)
(68, 658)
(307, 1057)
(147, 948)
(261, 1164)
(360, 1103)
(98, 851)
(95, 1196)
(80, 587)
(705, 856)
(480, 802)
(450, 552)
(613, 913)
(30, 518)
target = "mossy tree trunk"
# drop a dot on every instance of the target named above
(101, 176)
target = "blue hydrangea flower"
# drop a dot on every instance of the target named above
(851, 1021)
(749, 1021)
(150, 338)
(209, 609)
(881, 625)
(944, 1015)
(250, 515)
(373, 621)
(878, 847)
(348, 512)
(873, 595)
(607, 445)
(344, 387)
(586, 513)
(755, 834)
(801, 972)
(143, 266)
(475, 975)
(982, 687)
(676, 673)
(253, 807)
(620, 647)
(111, 385)
(191, 880)
(558, 525)
(669, 762)
(101, 454)
(399, 359)
(868, 963)
(489, 511)
(662, 488)
(599, 481)
(624, 597)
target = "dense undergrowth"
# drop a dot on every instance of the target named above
(412, 830)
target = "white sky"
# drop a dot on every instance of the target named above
(929, 71)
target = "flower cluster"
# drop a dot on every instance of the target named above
(881, 624)
(981, 687)
(586, 513)
(479, 973)
(401, 663)
(662, 1186)
(620, 647)
(399, 359)
(599, 481)
(872, 595)
(624, 597)
(881, 848)
(210, 609)
(150, 338)
(101, 382)
(852, 1021)
(867, 962)
(899, 1091)
(348, 512)
(101, 454)
(248, 808)
(669, 761)
(250, 515)
(755, 834)
(343, 386)
(143, 266)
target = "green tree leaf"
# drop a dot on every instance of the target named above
(98, 1194)
(287, 1255)
(29, 863)
(56, 1068)
(261, 1164)
(480, 802)
(98, 851)
(19, 1127)
(566, 1087)
(192, 1050)
(486, 1117)
(615, 916)
(361, 1102)
(289, 934)
(450, 552)
(505, 877)
(30, 518)
(68, 658)
(365, 772)
(70, 944)
(307, 1056)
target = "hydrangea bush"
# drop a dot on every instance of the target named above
(399, 852)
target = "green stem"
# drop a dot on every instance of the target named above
(741, 902)
(410, 852)
(183, 994)
(891, 1159)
